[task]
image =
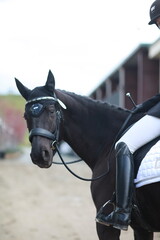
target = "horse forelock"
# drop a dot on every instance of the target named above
(39, 92)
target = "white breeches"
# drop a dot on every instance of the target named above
(142, 132)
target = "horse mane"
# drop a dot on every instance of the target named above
(99, 105)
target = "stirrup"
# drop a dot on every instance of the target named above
(109, 202)
(101, 214)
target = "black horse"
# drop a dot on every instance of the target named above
(90, 128)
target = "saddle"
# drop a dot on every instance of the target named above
(140, 154)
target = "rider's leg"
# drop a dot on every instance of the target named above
(120, 217)
(139, 134)
(142, 132)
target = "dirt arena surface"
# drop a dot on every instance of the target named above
(46, 204)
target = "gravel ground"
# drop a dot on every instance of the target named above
(46, 204)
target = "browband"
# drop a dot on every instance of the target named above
(41, 98)
(48, 98)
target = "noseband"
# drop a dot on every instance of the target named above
(43, 133)
(36, 110)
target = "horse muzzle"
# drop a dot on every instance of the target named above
(41, 152)
(43, 148)
(43, 159)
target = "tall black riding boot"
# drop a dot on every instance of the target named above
(120, 217)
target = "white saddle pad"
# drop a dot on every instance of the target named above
(149, 170)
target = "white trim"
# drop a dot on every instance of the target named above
(41, 98)
(48, 98)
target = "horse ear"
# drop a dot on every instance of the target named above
(24, 91)
(50, 83)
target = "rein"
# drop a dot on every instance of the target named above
(74, 174)
(69, 162)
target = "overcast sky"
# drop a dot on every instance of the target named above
(80, 41)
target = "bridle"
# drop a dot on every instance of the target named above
(47, 134)
(36, 109)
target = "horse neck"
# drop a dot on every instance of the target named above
(89, 127)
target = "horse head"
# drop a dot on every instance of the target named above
(43, 117)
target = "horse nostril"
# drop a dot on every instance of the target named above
(45, 155)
